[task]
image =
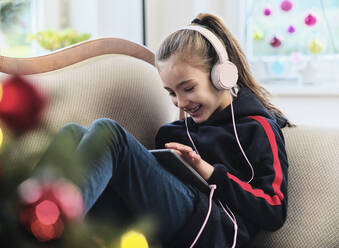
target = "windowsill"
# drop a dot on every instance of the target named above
(311, 76)
(303, 89)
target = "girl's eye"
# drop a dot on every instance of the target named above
(171, 93)
(189, 89)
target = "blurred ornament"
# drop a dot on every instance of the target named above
(44, 211)
(258, 35)
(296, 57)
(1, 137)
(315, 47)
(286, 5)
(267, 11)
(69, 198)
(47, 212)
(291, 29)
(21, 104)
(275, 42)
(310, 20)
(133, 239)
(30, 191)
(1, 92)
(277, 68)
(44, 232)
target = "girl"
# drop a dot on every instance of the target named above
(233, 141)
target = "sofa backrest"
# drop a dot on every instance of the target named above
(313, 191)
(122, 87)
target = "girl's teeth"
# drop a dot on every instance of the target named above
(195, 109)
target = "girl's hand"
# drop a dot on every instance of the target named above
(192, 158)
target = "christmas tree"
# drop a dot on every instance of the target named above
(44, 207)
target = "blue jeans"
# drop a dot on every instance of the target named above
(121, 172)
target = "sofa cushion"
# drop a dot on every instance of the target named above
(313, 210)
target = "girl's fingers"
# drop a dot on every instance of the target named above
(185, 152)
(178, 152)
(171, 145)
(178, 146)
(194, 157)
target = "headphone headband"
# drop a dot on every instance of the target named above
(224, 74)
(212, 38)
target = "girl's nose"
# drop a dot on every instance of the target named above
(181, 102)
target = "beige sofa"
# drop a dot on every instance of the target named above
(116, 78)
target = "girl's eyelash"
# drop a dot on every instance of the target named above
(189, 89)
(172, 93)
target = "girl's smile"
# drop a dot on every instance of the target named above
(190, 89)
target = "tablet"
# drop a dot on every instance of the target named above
(180, 168)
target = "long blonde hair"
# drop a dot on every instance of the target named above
(194, 49)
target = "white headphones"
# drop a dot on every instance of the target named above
(224, 76)
(224, 73)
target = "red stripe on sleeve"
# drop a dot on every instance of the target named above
(279, 196)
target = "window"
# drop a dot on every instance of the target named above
(287, 26)
(294, 42)
(15, 25)
(60, 20)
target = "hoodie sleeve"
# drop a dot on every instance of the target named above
(263, 200)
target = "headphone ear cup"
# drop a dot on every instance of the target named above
(224, 76)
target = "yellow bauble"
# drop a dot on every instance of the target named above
(133, 239)
(258, 35)
(315, 47)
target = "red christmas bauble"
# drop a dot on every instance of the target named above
(275, 42)
(310, 20)
(21, 104)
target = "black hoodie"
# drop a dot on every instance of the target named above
(260, 204)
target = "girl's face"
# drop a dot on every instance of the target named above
(191, 89)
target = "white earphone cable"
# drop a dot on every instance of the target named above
(212, 187)
(189, 136)
(236, 136)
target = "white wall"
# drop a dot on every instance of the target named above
(164, 17)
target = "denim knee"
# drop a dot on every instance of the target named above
(108, 129)
(106, 123)
(73, 129)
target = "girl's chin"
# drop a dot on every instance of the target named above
(201, 115)
(199, 119)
